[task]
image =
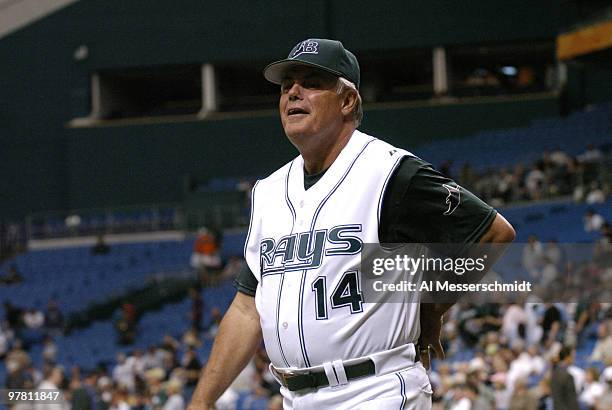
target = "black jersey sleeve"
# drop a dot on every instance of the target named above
(245, 281)
(423, 206)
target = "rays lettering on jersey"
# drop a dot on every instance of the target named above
(306, 250)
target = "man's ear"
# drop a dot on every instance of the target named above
(349, 100)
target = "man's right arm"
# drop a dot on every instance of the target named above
(237, 340)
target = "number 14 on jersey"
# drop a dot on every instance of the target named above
(347, 293)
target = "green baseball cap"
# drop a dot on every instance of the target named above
(327, 55)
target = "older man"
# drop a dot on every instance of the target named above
(309, 220)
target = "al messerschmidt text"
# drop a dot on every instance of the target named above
(446, 286)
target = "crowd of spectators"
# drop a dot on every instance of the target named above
(522, 356)
(160, 377)
(500, 356)
(551, 349)
(555, 174)
(525, 354)
(30, 325)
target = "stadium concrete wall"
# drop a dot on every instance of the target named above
(46, 165)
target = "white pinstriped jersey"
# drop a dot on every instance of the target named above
(304, 249)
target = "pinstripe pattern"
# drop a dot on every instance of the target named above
(402, 389)
(251, 218)
(312, 225)
(280, 288)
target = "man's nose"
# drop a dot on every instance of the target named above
(295, 91)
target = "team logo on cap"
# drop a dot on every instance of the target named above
(306, 47)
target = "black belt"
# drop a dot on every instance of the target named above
(314, 380)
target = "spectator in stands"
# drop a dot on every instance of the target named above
(216, 316)
(17, 362)
(12, 276)
(6, 338)
(54, 319)
(13, 316)
(536, 182)
(153, 380)
(197, 308)
(84, 394)
(560, 158)
(533, 253)
(593, 388)
(137, 363)
(191, 338)
(205, 254)
(52, 381)
(465, 397)
(105, 389)
(153, 358)
(591, 155)
(523, 398)
(175, 399)
(587, 319)
(192, 366)
(602, 352)
(534, 312)
(520, 190)
(524, 365)
(485, 398)
(474, 321)
(551, 325)
(505, 183)
(554, 253)
(564, 394)
(126, 324)
(593, 222)
(101, 247)
(123, 373)
(606, 234)
(49, 352)
(170, 346)
(17, 357)
(549, 274)
(514, 322)
(605, 400)
(596, 195)
(119, 400)
(33, 319)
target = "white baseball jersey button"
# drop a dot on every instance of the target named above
(285, 325)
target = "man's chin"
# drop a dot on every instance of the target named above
(296, 132)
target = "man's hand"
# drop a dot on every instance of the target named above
(431, 328)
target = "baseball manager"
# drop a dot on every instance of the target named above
(301, 294)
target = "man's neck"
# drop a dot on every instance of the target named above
(317, 159)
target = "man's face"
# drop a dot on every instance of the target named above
(309, 105)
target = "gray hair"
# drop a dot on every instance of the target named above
(345, 85)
